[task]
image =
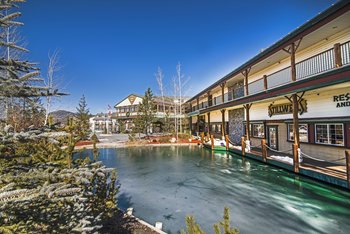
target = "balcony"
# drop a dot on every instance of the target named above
(317, 64)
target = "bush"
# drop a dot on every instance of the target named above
(165, 139)
(194, 228)
(94, 138)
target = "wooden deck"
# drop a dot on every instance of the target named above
(325, 171)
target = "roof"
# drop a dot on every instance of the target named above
(290, 37)
(167, 99)
(128, 97)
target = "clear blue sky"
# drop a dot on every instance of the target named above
(111, 48)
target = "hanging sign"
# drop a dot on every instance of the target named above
(287, 108)
(342, 100)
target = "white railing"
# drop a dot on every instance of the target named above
(345, 53)
(256, 86)
(279, 78)
(316, 64)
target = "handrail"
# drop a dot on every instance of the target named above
(345, 52)
(316, 64)
(274, 73)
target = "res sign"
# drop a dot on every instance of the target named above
(342, 100)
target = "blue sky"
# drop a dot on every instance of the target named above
(112, 48)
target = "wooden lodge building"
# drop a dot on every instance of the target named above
(295, 94)
(127, 111)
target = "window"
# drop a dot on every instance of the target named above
(303, 133)
(258, 130)
(330, 134)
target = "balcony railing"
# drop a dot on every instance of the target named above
(319, 63)
(322, 62)
(345, 53)
(278, 78)
(256, 86)
(316, 64)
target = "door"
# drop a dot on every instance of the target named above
(272, 133)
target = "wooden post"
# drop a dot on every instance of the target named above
(243, 145)
(202, 137)
(347, 156)
(245, 73)
(337, 55)
(223, 123)
(292, 62)
(264, 150)
(296, 158)
(190, 125)
(247, 127)
(198, 125)
(265, 82)
(208, 122)
(209, 100)
(212, 142)
(227, 143)
(222, 85)
(296, 145)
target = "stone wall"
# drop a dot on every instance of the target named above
(236, 118)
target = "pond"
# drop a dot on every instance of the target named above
(167, 183)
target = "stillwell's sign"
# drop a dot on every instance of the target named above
(287, 108)
(342, 100)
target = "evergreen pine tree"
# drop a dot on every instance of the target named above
(83, 116)
(146, 112)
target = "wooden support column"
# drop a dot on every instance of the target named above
(245, 73)
(227, 143)
(210, 101)
(337, 55)
(190, 125)
(295, 105)
(264, 150)
(222, 85)
(347, 156)
(198, 125)
(243, 145)
(292, 62)
(296, 145)
(208, 114)
(247, 128)
(223, 124)
(265, 82)
(212, 142)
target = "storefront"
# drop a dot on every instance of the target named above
(324, 122)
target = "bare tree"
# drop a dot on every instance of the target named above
(176, 89)
(52, 80)
(182, 82)
(160, 77)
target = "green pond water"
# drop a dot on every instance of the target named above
(167, 183)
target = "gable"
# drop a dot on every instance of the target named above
(132, 99)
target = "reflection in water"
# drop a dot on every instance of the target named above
(167, 183)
